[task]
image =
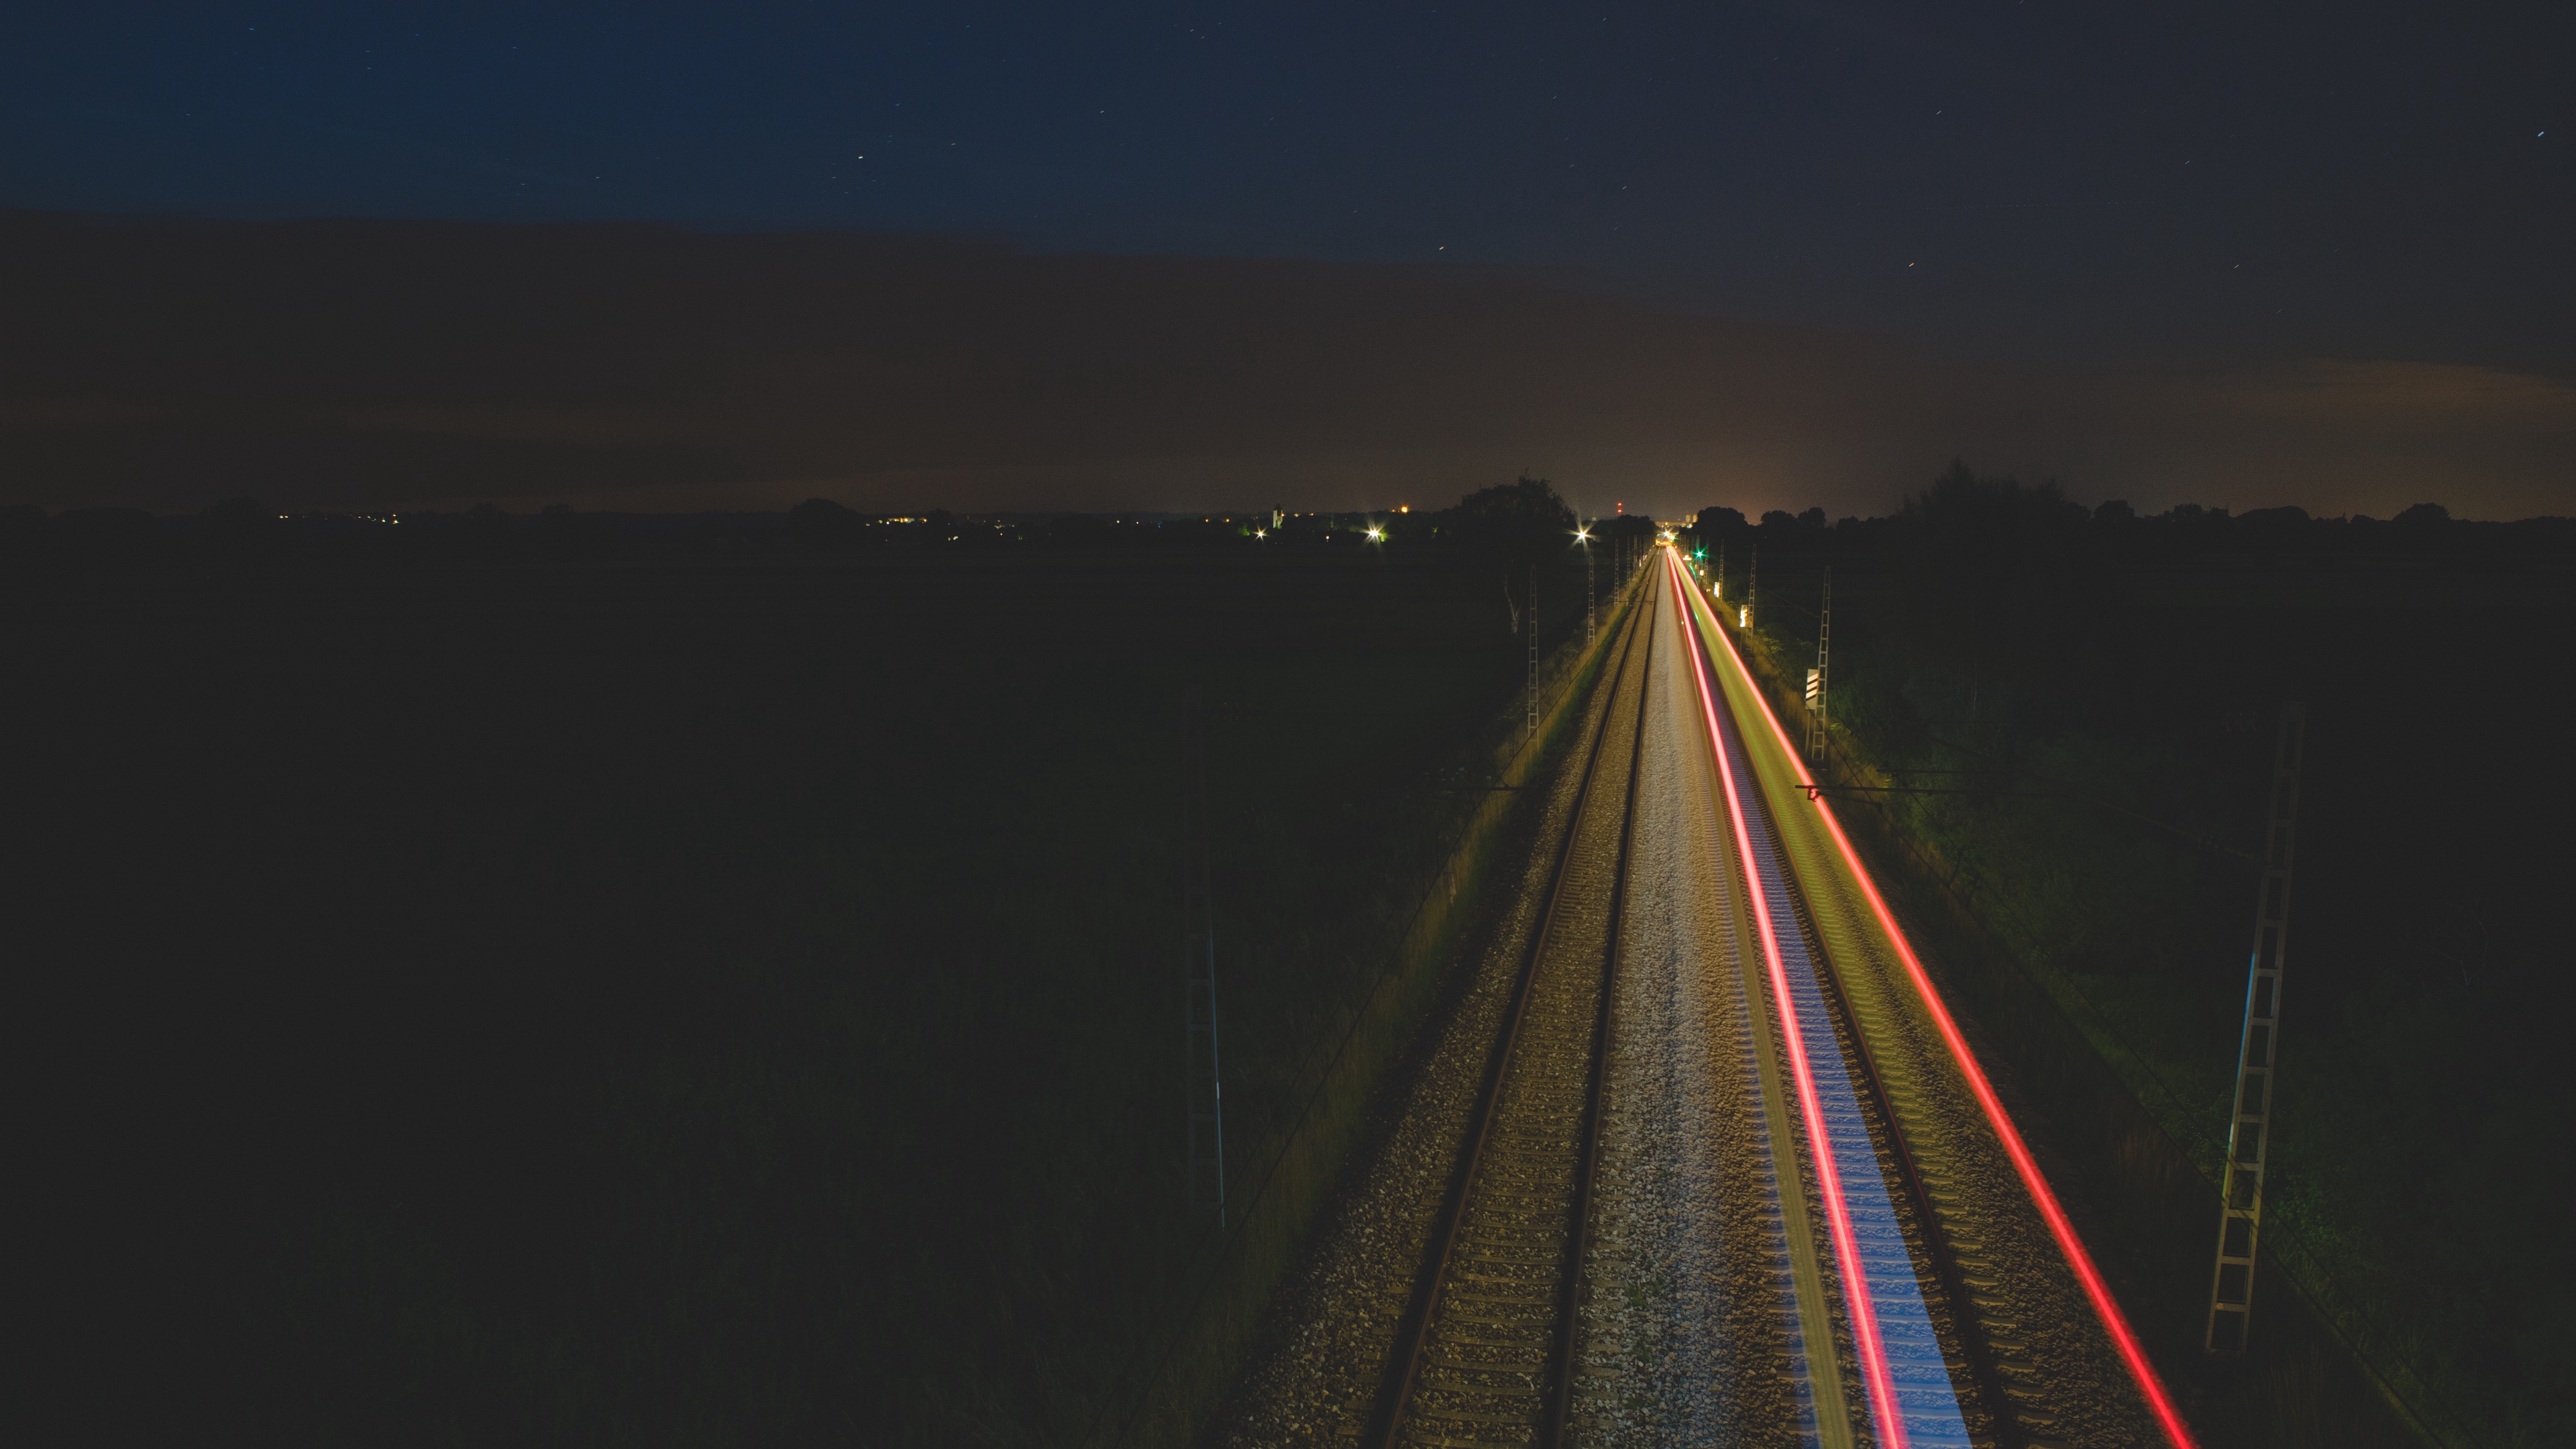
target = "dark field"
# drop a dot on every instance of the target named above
(703, 1002)
(726, 1000)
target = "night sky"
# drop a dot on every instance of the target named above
(2037, 210)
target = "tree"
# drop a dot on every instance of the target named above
(1523, 519)
(1720, 523)
(1519, 526)
(820, 525)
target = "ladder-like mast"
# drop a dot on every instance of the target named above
(1816, 676)
(2249, 1140)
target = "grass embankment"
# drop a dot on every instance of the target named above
(706, 1003)
(1284, 1179)
(2103, 953)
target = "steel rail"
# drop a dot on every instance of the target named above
(1879, 1393)
(1395, 1391)
(1967, 1320)
(1561, 1360)
(1127, 1406)
(2106, 1308)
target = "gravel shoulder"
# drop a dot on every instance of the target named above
(1328, 1331)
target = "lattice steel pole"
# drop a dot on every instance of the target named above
(2249, 1144)
(1203, 1089)
(1591, 594)
(1816, 676)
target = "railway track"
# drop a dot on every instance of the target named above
(1861, 1302)
(1485, 1350)
(1938, 1379)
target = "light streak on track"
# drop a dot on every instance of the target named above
(2105, 1307)
(1886, 1415)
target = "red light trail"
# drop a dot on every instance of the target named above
(2105, 1307)
(1885, 1413)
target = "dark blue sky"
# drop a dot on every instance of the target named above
(2016, 181)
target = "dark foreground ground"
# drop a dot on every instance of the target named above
(522, 999)
(699, 1002)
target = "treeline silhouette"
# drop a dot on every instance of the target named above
(1523, 520)
(246, 529)
(2005, 515)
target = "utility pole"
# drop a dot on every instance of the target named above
(1751, 590)
(1204, 1094)
(1816, 676)
(1591, 592)
(2231, 1289)
(1717, 590)
(1531, 622)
